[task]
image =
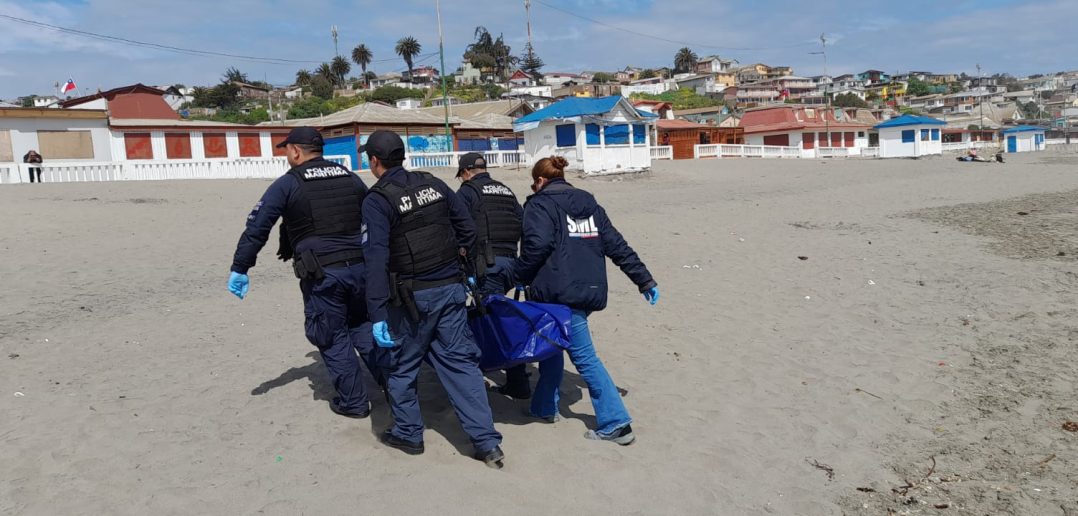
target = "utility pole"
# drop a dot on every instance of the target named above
(333, 31)
(528, 10)
(445, 92)
(830, 111)
(980, 99)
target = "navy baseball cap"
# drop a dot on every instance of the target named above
(471, 160)
(384, 145)
(303, 136)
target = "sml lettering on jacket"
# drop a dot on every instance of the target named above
(582, 228)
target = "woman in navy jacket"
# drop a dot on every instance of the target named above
(566, 239)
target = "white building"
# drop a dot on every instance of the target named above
(46, 102)
(1024, 138)
(409, 103)
(596, 135)
(56, 134)
(560, 79)
(910, 136)
(652, 86)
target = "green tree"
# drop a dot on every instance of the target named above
(27, 101)
(493, 91)
(489, 54)
(234, 74)
(309, 107)
(303, 78)
(361, 55)
(340, 68)
(685, 60)
(849, 100)
(648, 74)
(602, 78)
(916, 87)
(391, 94)
(407, 47)
(531, 63)
(681, 99)
(321, 87)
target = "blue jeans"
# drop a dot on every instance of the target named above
(441, 334)
(336, 323)
(610, 412)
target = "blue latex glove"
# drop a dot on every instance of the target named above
(238, 284)
(380, 330)
(471, 282)
(652, 295)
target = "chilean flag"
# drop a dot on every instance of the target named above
(68, 86)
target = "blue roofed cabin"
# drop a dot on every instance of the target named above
(1024, 138)
(910, 136)
(596, 135)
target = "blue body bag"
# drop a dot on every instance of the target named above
(516, 332)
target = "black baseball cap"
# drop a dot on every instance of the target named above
(384, 145)
(303, 136)
(471, 160)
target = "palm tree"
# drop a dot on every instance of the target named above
(303, 78)
(233, 74)
(325, 71)
(340, 68)
(361, 55)
(408, 48)
(685, 60)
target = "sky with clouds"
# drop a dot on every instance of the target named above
(1014, 36)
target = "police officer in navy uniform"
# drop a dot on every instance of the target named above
(497, 215)
(417, 232)
(567, 238)
(321, 203)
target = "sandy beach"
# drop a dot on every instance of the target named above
(834, 337)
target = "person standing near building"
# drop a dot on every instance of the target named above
(567, 238)
(321, 204)
(497, 215)
(416, 234)
(34, 158)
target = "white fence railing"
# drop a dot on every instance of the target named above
(450, 159)
(838, 152)
(722, 150)
(662, 152)
(965, 146)
(146, 170)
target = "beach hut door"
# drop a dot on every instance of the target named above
(1012, 144)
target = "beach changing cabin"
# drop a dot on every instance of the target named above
(596, 135)
(1024, 138)
(910, 136)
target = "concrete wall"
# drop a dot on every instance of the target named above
(93, 104)
(23, 132)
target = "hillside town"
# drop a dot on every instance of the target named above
(683, 111)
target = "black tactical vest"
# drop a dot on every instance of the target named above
(423, 239)
(495, 215)
(328, 202)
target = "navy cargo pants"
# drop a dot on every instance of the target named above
(335, 309)
(442, 331)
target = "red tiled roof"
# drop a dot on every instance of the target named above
(784, 118)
